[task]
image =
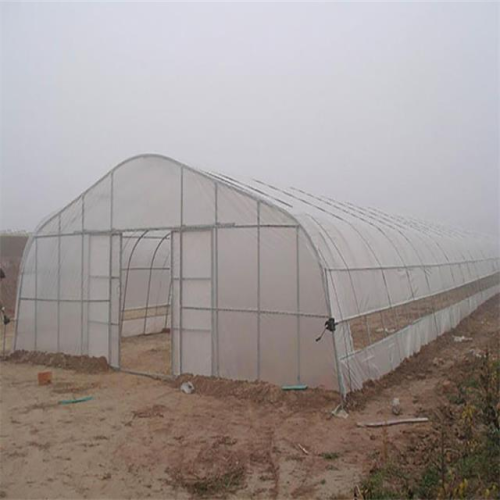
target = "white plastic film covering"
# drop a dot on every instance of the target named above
(237, 266)
(238, 345)
(278, 269)
(384, 356)
(72, 217)
(71, 267)
(46, 250)
(198, 200)
(235, 208)
(25, 325)
(70, 326)
(312, 299)
(259, 270)
(97, 202)
(146, 194)
(279, 349)
(46, 334)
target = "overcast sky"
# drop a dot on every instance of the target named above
(388, 105)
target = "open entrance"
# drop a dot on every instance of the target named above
(145, 338)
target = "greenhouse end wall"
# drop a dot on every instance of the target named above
(248, 293)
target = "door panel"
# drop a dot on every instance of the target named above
(192, 265)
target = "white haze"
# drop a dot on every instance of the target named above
(390, 105)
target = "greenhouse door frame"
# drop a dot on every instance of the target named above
(193, 264)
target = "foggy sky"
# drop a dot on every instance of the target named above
(388, 105)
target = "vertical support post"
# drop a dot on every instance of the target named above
(59, 284)
(110, 310)
(298, 302)
(36, 293)
(180, 268)
(168, 311)
(212, 303)
(258, 290)
(119, 301)
(111, 201)
(172, 303)
(87, 302)
(216, 278)
(81, 277)
(150, 277)
(110, 291)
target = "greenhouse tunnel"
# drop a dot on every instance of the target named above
(162, 267)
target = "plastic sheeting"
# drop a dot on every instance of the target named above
(384, 356)
(250, 273)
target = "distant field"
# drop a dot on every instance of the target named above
(11, 253)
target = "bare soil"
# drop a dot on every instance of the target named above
(142, 438)
(146, 353)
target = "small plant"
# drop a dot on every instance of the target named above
(218, 484)
(375, 487)
(330, 455)
(458, 399)
(428, 483)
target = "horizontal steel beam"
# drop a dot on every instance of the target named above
(254, 311)
(168, 228)
(76, 301)
(146, 269)
(413, 266)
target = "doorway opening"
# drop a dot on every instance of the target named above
(145, 312)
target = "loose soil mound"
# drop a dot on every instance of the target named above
(84, 364)
(259, 392)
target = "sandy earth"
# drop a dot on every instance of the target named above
(141, 438)
(146, 353)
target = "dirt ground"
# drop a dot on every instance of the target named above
(147, 353)
(140, 437)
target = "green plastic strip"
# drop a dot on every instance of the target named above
(78, 400)
(294, 387)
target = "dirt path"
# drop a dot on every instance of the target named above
(141, 438)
